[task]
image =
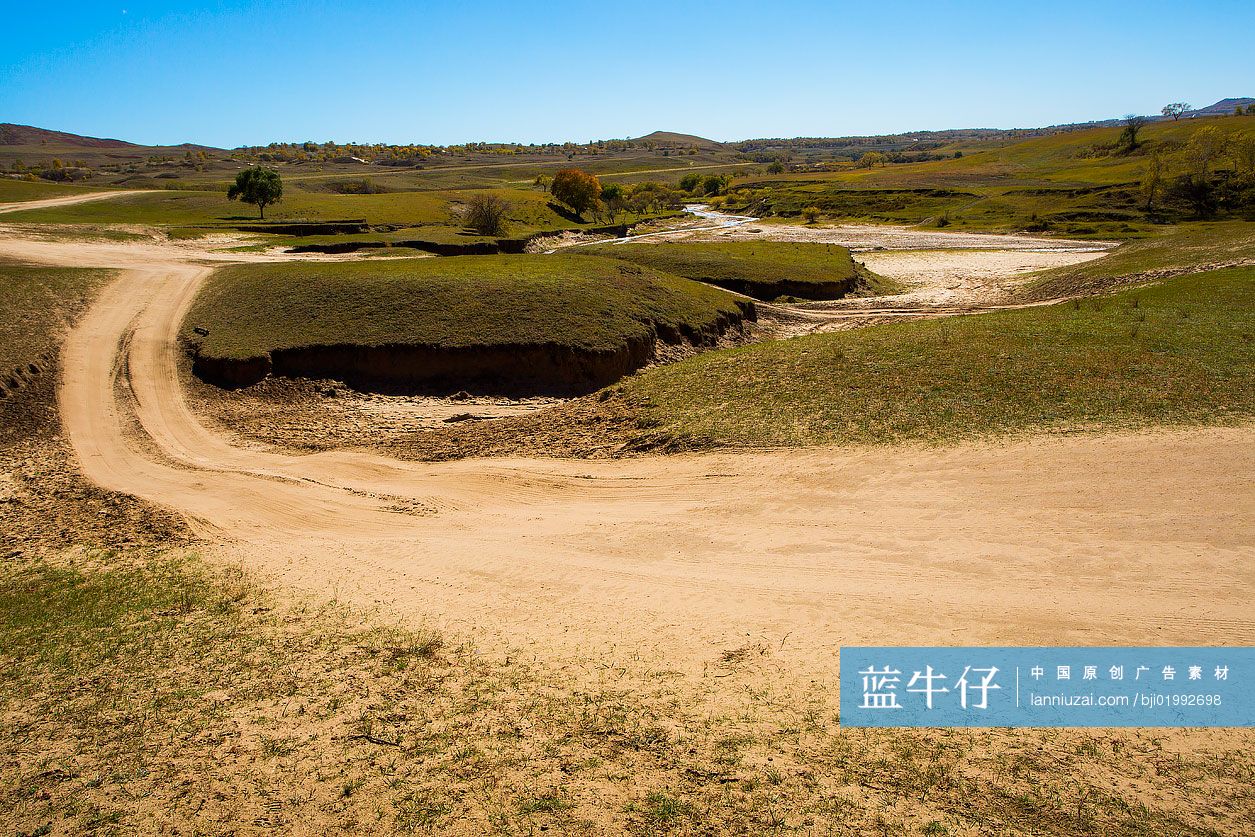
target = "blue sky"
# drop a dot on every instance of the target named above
(235, 73)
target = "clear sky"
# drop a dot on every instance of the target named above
(235, 73)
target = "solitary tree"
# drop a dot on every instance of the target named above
(1133, 125)
(776, 168)
(811, 214)
(577, 189)
(258, 186)
(1175, 109)
(486, 213)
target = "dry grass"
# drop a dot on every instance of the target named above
(144, 692)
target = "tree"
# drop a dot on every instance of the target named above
(577, 189)
(869, 159)
(776, 168)
(486, 213)
(1133, 125)
(1242, 150)
(258, 186)
(613, 196)
(713, 184)
(811, 214)
(1204, 147)
(1152, 181)
(1175, 109)
(690, 182)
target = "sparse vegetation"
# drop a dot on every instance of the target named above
(141, 677)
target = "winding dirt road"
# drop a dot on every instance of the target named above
(1093, 539)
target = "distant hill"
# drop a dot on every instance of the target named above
(28, 135)
(11, 134)
(686, 140)
(1222, 108)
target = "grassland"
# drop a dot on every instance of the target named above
(761, 269)
(1178, 353)
(431, 216)
(143, 692)
(456, 302)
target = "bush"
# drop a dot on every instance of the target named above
(486, 214)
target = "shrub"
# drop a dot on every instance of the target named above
(486, 214)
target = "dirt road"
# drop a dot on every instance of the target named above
(1144, 538)
(68, 200)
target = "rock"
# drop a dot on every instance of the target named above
(460, 395)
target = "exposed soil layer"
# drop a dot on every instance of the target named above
(802, 290)
(522, 369)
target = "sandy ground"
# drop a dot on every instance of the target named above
(1115, 539)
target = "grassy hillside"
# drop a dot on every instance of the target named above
(1075, 183)
(761, 269)
(1180, 352)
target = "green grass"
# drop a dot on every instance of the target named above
(584, 303)
(1177, 353)
(1186, 247)
(762, 269)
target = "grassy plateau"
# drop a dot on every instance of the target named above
(764, 270)
(519, 324)
(457, 302)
